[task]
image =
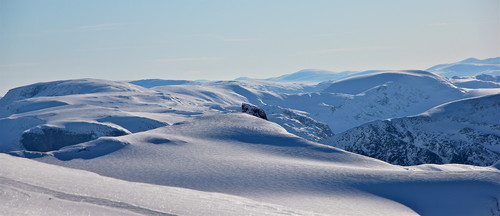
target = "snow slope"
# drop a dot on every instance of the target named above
(465, 131)
(243, 155)
(468, 67)
(28, 187)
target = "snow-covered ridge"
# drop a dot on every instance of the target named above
(359, 84)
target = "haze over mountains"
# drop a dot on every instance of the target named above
(194, 152)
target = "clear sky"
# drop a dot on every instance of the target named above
(182, 39)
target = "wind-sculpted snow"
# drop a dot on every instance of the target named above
(465, 131)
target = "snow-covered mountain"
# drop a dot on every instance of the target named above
(465, 131)
(83, 110)
(179, 140)
(354, 101)
(468, 67)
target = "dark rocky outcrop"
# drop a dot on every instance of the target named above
(253, 110)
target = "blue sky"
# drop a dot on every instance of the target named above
(181, 39)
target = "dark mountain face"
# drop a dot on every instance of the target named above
(460, 132)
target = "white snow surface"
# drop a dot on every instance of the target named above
(28, 187)
(242, 155)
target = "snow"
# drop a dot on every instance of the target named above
(362, 83)
(186, 148)
(31, 188)
(354, 101)
(243, 156)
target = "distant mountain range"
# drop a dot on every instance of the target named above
(467, 67)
